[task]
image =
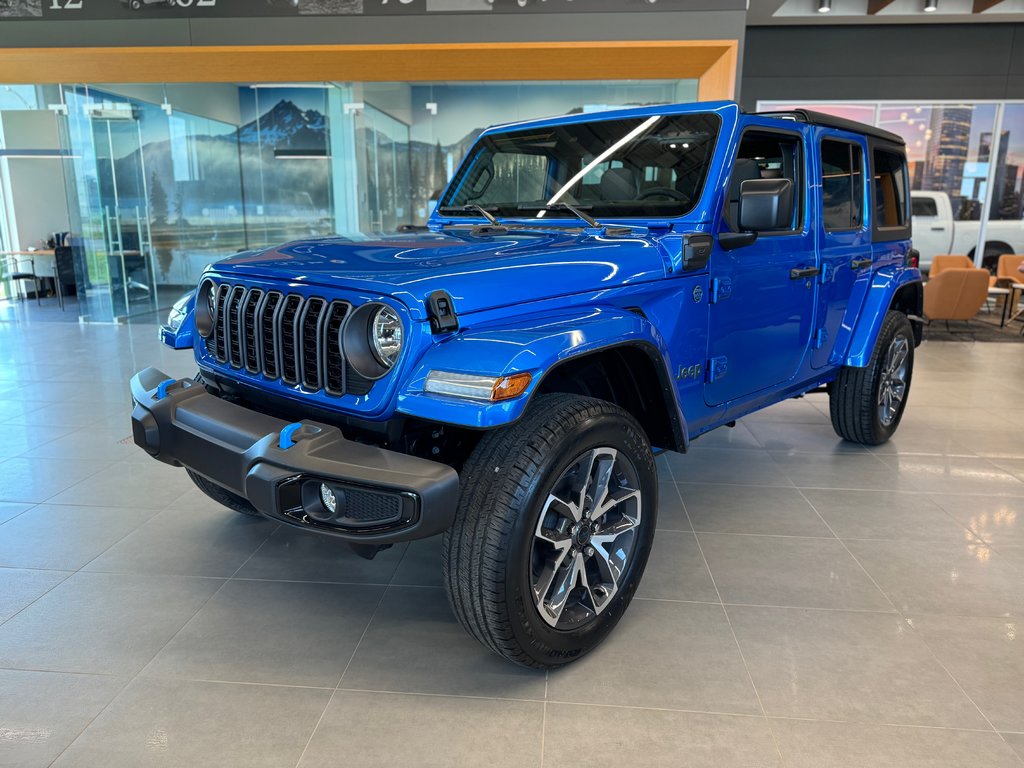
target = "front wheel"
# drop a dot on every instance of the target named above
(867, 403)
(553, 530)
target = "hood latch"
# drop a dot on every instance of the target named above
(441, 312)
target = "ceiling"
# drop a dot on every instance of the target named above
(788, 12)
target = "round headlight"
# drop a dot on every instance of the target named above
(386, 336)
(206, 307)
(371, 339)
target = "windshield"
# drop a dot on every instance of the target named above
(636, 167)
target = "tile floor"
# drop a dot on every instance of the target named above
(808, 603)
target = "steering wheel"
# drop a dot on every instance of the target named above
(671, 194)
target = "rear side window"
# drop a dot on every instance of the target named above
(842, 185)
(890, 194)
(924, 206)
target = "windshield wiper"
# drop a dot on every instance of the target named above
(471, 208)
(578, 213)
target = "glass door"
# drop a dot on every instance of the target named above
(124, 207)
(109, 202)
(385, 167)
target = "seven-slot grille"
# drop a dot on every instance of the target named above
(286, 337)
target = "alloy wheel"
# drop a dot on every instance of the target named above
(585, 538)
(893, 386)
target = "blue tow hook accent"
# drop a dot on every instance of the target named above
(286, 441)
(161, 390)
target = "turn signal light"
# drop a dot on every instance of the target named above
(470, 386)
(508, 387)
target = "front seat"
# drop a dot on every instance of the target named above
(744, 169)
(619, 184)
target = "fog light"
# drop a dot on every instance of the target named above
(328, 498)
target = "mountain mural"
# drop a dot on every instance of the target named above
(286, 126)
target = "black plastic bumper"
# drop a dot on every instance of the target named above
(381, 496)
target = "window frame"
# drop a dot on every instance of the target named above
(462, 173)
(880, 234)
(800, 184)
(853, 145)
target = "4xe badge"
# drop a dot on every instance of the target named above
(690, 373)
(698, 293)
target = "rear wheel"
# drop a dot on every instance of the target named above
(867, 403)
(553, 530)
(223, 495)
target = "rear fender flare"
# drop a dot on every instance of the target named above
(885, 284)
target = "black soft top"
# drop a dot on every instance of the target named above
(840, 123)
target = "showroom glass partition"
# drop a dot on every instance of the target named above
(965, 166)
(162, 180)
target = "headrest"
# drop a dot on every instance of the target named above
(743, 170)
(619, 184)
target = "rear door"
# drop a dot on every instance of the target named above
(844, 238)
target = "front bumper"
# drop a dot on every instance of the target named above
(382, 496)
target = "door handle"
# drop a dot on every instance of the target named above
(860, 263)
(938, 229)
(802, 272)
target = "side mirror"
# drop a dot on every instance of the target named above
(765, 205)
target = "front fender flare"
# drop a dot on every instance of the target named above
(884, 285)
(533, 344)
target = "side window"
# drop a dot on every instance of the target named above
(923, 206)
(517, 177)
(767, 155)
(890, 190)
(842, 185)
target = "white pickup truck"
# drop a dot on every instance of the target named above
(937, 232)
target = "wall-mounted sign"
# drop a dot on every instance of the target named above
(137, 9)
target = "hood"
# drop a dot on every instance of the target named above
(479, 271)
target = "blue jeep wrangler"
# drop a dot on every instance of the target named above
(590, 290)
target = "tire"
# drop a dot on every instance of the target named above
(509, 532)
(223, 495)
(856, 396)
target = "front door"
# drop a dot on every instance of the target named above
(763, 295)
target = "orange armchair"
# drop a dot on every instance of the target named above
(1008, 271)
(949, 261)
(956, 294)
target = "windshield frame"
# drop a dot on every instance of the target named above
(647, 120)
